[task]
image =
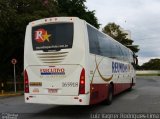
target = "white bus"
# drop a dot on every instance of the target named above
(69, 62)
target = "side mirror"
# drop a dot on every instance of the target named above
(135, 58)
(136, 61)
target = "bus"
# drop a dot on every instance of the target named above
(69, 62)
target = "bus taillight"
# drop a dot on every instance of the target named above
(26, 82)
(82, 82)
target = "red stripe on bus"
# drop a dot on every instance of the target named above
(99, 92)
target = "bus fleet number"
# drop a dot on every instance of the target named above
(69, 84)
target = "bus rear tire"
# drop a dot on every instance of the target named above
(109, 99)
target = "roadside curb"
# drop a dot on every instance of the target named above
(10, 95)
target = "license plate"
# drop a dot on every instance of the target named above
(52, 90)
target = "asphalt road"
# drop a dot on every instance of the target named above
(144, 98)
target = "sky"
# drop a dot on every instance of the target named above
(140, 17)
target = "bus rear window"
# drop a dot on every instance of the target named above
(52, 36)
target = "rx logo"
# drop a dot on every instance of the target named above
(41, 35)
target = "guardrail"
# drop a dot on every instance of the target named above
(148, 72)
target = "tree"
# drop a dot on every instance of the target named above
(153, 64)
(14, 17)
(16, 14)
(116, 33)
(77, 8)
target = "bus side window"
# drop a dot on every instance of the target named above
(131, 57)
(93, 40)
(121, 53)
(113, 50)
(104, 44)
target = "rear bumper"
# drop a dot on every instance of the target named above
(58, 100)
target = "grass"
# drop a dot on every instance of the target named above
(147, 74)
